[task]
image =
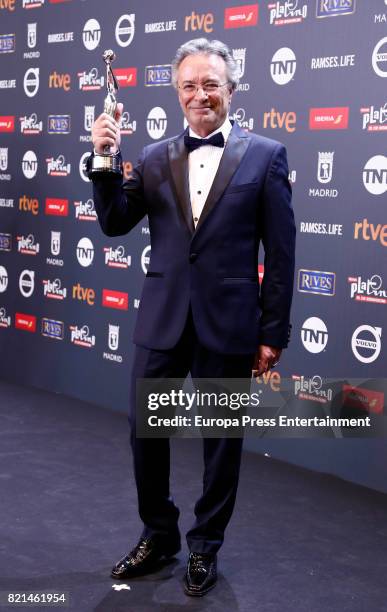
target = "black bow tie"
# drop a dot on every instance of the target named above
(192, 143)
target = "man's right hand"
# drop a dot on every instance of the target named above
(106, 131)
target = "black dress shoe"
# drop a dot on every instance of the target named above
(144, 557)
(201, 575)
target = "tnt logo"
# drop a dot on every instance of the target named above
(156, 123)
(314, 335)
(375, 175)
(283, 66)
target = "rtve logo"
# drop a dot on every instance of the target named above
(369, 231)
(7, 5)
(83, 294)
(195, 22)
(59, 81)
(276, 120)
(29, 205)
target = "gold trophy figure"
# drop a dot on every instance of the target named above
(108, 161)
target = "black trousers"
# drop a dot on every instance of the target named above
(222, 456)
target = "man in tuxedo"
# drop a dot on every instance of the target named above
(212, 195)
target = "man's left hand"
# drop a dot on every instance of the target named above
(266, 358)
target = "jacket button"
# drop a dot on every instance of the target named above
(192, 257)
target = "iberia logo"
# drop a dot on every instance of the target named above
(241, 16)
(7, 123)
(126, 77)
(115, 299)
(56, 206)
(25, 322)
(335, 118)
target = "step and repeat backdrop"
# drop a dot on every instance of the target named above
(313, 75)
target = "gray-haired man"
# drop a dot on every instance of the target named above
(212, 195)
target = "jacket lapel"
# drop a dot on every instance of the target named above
(235, 148)
(178, 161)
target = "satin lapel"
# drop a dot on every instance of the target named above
(178, 161)
(234, 150)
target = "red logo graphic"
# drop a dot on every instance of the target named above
(26, 322)
(241, 16)
(7, 123)
(126, 77)
(55, 206)
(335, 118)
(115, 299)
(363, 399)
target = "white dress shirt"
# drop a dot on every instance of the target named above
(203, 164)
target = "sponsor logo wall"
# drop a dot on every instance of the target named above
(300, 66)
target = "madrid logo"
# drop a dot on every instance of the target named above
(366, 343)
(325, 167)
(375, 175)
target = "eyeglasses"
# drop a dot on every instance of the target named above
(190, 88)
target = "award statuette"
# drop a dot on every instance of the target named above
(108, 161)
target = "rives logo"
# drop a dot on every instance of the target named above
(7, 43)
(334, 8)
(52, 329)
(316, 282)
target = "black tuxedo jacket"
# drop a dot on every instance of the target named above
(213, 267)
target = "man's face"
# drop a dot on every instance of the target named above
(204, 111)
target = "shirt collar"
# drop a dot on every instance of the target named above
(225, 128)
